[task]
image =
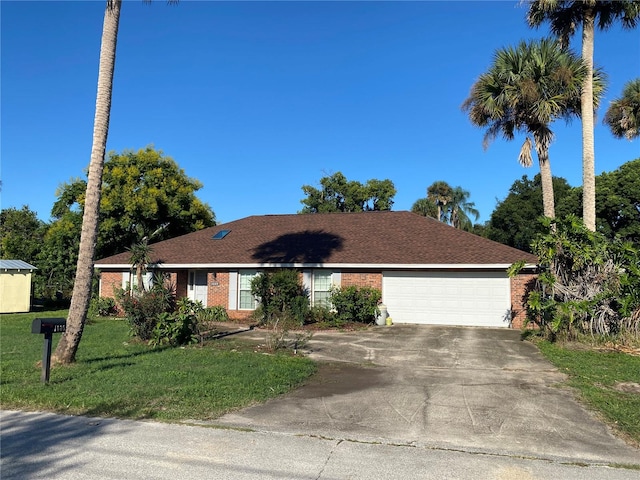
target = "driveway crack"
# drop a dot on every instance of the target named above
(326, 462)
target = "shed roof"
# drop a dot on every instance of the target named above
(15, 265)
(370, 239)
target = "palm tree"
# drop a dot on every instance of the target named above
(460, 208)
(140, 258)
(525, 89)
(68, 345)
(425, 207)
(81, 295)
(564, 16)
(141, 253)
(623, 115)
(440, 194)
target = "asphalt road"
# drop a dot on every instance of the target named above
(48, 446)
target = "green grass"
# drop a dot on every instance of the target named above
(595, 374)
(115, 376)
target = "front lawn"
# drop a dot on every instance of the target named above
(608, 381)
(116, 376)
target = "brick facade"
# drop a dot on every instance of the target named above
(218, 289)
(521, 285)
(358, 279)
(109, 283)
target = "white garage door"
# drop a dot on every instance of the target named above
(448, 298)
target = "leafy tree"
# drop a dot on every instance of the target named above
(564, 17)
(21, 234)
(59, 255)
(618, 203)
(515, 220)
(623, 115)
(337, 194)
(525, 89)
(618, 195)
(380, 194)
(143, 192)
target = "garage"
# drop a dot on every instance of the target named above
(470, 298)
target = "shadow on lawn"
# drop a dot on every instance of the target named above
(150, 351)
(153, 350)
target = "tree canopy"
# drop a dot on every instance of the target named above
(142, 191)
(618, 202)
(526, 88)
(337, 194)
(617, 205)
(515, 220)
(623, 115)
(565, 17)
(447, 204)
(21, 234)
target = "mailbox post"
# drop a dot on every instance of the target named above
(47, 327)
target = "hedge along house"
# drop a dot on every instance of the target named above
(428, 272)
(15, 286)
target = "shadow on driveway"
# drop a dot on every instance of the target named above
(474, 389)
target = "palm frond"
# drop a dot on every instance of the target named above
(525, 158)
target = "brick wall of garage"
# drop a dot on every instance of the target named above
(521, 285)
(358, 279)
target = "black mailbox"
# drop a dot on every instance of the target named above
(49, 325)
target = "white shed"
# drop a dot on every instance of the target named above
(15, 286)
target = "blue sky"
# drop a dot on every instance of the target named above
(256, 99)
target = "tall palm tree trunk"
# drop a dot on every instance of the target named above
(588, 148)
(68, 345)
(547, 189)
(542, 141)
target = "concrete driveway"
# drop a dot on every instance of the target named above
(459, 388)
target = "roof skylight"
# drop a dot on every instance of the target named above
(221, 234)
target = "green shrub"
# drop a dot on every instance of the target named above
(216, 313)
(355, 304)
(321, 315)
(588, 283)
(284, 305)
(174, 329)
(143, 309)
(102, 306)
(281, 295)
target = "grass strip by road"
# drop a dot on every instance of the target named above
(607, 382)
(116, 377)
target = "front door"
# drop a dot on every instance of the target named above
(198, 286)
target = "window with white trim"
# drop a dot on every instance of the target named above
(246, 301)
(321, 287)
(130, 280)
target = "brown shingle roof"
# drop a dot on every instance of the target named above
(366, 238)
